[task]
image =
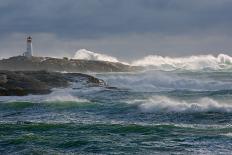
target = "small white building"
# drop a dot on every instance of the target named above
(29, 52)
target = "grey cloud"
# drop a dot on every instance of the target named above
(117, 27)
(125, 48)
(99, 18)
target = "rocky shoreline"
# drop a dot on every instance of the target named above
(21, 63)
(21, 75)
(20, 83)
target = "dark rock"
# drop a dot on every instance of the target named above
(19, 83)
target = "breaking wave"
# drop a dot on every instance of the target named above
(58, 95)
(198, 62)
(88, 55)
(166, 104)
(156, 81)
(63, 96)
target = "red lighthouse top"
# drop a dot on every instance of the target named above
(29, 39)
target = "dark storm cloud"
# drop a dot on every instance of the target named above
(127, 29)
(101, 18)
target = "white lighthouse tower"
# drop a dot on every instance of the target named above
(29, 52)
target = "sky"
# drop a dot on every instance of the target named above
(126, 29)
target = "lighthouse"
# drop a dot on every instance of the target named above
(29, 52)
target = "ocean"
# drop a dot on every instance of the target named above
(169, 108)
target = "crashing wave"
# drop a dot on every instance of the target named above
(200, 62)
(88, 55)
(63, 96)
(166, 104)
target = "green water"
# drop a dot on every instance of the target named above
(148, 113)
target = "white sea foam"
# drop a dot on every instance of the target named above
(166, 104)
(200, 62)
(227, 134)
(58, 95)
(88, 55)
(156, 81)
(197, 62)
(63, 96)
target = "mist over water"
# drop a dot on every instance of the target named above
(177, 105)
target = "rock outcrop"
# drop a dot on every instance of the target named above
(20, 63)
(19, 83)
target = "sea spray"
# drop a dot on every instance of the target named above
(199, 62)
(58, 95)
(166, 104)
(178, 110)
(195, 62)
(88, 55)
(183, 112)
(156, 81)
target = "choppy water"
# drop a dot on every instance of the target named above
(153, 112)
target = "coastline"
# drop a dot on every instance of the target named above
(21, 83)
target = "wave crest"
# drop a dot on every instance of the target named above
(63, 96)
(88, 55)
(200, 62)
(58, 95)
(166, 104)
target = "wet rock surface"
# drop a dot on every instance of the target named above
(20, 83)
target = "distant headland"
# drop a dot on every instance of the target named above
(22, 63)
(28, 62)
(27, 74)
